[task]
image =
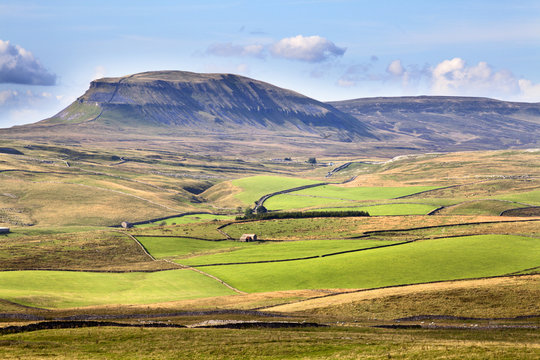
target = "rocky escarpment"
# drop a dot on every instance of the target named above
(208, 102)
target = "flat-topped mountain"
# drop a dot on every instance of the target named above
(216, 103)
(449, 123)
(224, 113)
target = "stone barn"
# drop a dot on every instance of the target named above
(4, 230)
(126, 225)
(248, 237)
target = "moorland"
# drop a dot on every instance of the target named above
(446, 265)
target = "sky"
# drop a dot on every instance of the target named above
(326, 49)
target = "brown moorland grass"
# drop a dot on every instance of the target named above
(96, 250)
(484, 298)
(322, 343)
(451, 168)
(333, 228)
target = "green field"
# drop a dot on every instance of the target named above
(330, 195)
(364, 193)
(284, 250)
(481, 207)
(60, 289)
(256, 186)
(389, 209)
(529, 197)
(424, 261)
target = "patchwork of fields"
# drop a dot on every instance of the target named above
(431, 230)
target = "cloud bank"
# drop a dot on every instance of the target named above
(19, 66)
(453, 77)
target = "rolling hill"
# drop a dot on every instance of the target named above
(447, 123)
(235, 115)
(177, 101)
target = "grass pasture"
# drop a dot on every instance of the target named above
(283, 250)
(423, 261)
(337, 196)
(256, 186)
(61, 289)
(69, 194)
(480, 207)
(390, 209)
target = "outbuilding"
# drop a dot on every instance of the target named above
(4, 230)
(126, 225)
(248, 237)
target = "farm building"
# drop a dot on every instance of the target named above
(4, 230)
(248, 237)
(126, 225)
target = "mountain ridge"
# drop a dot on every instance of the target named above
(232, 113)
(210, 102)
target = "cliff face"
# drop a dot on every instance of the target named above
(208, 102)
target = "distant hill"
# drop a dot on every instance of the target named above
(449, 123)
(177, 101)
(236, 115)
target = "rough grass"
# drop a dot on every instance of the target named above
(81, 250)
(169, 247)
(188, 219)
(60, 289)
(204, 230)
(256, 186)
(333, 228)
(322, 343)
(424, 261)
(493, 298)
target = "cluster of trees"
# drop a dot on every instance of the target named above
(300, 214)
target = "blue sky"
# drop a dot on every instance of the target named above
(329, 50)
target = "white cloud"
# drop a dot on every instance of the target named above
(452, 77)
(395, 68)
(455, 77)
(19, 66)
(529, 91)
(306, 48)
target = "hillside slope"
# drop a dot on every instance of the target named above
(177, 101)
(449, 123)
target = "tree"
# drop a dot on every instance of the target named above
(248, 211)
(262, 210)
(312, 160)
